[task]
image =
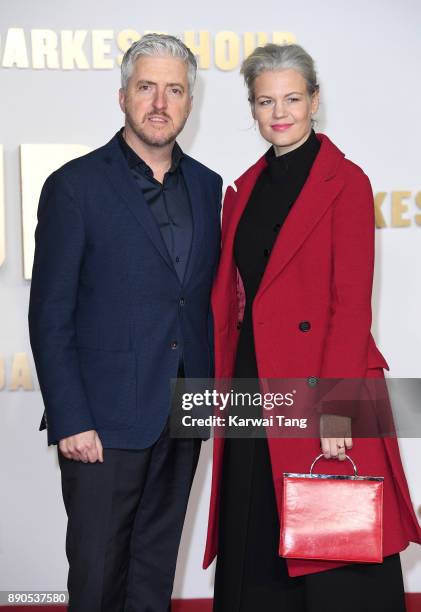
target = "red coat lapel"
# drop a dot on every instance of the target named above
(234, 204)
(317, 195)
(244, 185)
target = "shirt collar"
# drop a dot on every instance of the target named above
(134, 161)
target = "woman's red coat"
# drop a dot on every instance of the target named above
(320, 270)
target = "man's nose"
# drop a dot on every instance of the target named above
(160, 99)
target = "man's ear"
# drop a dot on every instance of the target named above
(122, 99)
(190, 106)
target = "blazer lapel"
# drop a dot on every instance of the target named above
(197, 201)
(317, 195)
(123, 183)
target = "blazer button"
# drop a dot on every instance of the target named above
(312, 381)
(182, 301)
(266, 252)
(174, 344)
(304, 326)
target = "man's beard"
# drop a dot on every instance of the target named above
(154, 141)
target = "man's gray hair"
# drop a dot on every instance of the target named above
(162, 45)
(279, 57)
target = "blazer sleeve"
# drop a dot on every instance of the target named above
(59, 247)
(347, 343)
(211, 331)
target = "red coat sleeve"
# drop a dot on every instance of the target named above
(346, 347)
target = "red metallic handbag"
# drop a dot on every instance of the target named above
(332, 518)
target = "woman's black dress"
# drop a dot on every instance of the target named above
(250, 575)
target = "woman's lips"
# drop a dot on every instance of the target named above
(281, 127)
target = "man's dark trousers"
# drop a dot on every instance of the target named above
(129, 513)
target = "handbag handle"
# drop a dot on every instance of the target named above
(346, 457)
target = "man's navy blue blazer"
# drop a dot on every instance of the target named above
(108, 315)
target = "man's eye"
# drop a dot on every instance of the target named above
(265, 102)
(293, 99)
(144, 87)
(176, 91)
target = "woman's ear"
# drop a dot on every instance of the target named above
(315, 99)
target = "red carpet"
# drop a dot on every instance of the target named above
(192, 605)
(178, 605)
(413, 602)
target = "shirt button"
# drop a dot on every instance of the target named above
(304, 326)
(174, 344)
(312, 381)
(182, 301)
(266, 252)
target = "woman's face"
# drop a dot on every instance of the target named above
(283, 108)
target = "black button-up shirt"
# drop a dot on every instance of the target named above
(169, 202)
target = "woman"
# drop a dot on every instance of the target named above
(298, 247)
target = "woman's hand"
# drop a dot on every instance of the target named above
(335, 436)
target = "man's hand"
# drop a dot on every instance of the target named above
(85, 446)
(335, 436)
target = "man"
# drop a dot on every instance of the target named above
(126, 248)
